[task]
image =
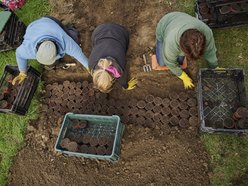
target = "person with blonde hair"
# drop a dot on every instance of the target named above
(107, 61)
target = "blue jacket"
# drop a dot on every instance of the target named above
(47, 29)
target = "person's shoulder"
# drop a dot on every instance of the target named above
(176, 13)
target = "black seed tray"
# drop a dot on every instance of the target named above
(214, 19)
(12, 34)
(220, 93)
(25, 92)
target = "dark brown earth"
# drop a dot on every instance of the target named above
(158, 155)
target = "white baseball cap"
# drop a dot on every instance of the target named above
(46, 53)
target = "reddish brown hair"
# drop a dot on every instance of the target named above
(193, 43)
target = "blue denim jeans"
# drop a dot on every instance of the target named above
(159, 55)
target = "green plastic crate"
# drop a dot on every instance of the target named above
(98, 125)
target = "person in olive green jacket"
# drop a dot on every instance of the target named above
(181, 37)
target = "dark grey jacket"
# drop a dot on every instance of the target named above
(110, 40)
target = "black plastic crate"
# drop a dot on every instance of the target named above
(220, 94)
(223, 2)
(11, 35)
(215, 17)
(205, 13)
(17, 98)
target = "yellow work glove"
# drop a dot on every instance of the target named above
(19, 78)
(219, 68)
(132, 84)
(187, 81)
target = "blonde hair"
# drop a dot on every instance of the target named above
(102, 80)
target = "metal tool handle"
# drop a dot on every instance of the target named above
(144, 58)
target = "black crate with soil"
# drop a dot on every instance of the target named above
(217, 3)
(17, 98)
(232, 13)
(12, 30)
(220, 94)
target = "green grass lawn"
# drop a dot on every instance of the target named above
(12, 126)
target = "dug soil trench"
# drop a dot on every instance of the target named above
(158, 152)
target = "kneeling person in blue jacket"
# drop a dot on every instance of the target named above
(47, 40)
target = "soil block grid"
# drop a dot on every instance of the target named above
(149, 106)
(157, 109)
(173, 95)
(174, 120)
(224, 90)
(166, 102)
(149, 98)
(175, 112)
(93, 134)
(166, 111)
(174, 103)
(184, 114)
(141, 104)
(183, 96)
(191, 102)
(158, 101)
(184, 123)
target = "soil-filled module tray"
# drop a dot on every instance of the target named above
(230, 15)
(220, 94)
(223, 2)
(12, 30)
(90, 136)
(17, 98)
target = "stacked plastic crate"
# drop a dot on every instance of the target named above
(222, 97)
(222, 13)
(12, 31)
(17, 98)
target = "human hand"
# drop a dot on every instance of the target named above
(219, 68)
(132, 84)
(19, 78)
(187, 81)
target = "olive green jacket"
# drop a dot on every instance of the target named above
(169, 30)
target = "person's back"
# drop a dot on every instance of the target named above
(107, 60)
(181, 37)
(47, 40)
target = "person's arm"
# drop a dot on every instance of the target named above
(74, 50)
(170, 53)
(210, 51)
(21, 60)
(123, 79)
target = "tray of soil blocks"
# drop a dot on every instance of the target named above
(221, 94)
(223, 2)
(90, 136)
(17, 98)
(205, 13)
(223, 15)
(12, 30)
